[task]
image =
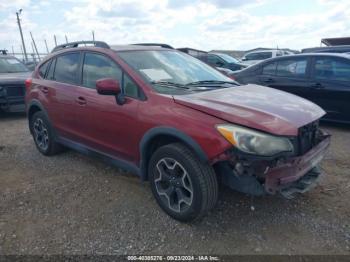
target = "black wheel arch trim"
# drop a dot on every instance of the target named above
(171, 131)
(37, 103)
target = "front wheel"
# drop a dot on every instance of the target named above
(184, 187)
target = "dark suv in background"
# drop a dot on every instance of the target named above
(323, 78)
(13, 73)
(175, 121)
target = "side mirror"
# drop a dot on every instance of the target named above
(110, 87)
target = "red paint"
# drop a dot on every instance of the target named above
(83, 115)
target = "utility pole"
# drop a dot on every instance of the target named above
(93, 35)
(22, 53)
(33, 54)
(47, 49)
(20, 31)
(13, 51)
(54, 37)
(66, 39)
(36, 49)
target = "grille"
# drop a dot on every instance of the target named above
(15, 90)
(308, 137)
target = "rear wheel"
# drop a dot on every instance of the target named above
(184, 187)
(43, 135)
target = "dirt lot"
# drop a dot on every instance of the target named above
(73, 204)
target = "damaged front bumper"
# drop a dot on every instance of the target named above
(288, 176)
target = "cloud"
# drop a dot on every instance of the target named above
(201, 24)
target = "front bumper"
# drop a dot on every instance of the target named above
(293, 169)
(9, 99)
(287, 176)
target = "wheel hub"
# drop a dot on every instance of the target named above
(174, 185)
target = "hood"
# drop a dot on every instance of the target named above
(14, 77)
(257, 107)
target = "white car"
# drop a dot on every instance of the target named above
(254, 57)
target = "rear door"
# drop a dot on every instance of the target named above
(59, 90)
(103, 124)
(289, 75)
(331, 81)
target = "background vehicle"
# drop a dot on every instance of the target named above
(252, 58)
(221, 60)
(176, 122)
(321, 78)
(328, 49)
(13, 73)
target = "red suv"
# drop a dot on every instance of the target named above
(176, 122)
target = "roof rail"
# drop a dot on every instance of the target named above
(155, 44)
(79, 43)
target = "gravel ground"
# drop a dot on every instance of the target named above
(73, 204)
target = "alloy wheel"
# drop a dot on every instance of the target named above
(173, 185)
(41, 134)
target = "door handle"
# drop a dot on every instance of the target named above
(269, 80)
(81, 100)
(45, 90)
(317, 85)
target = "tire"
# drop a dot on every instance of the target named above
(184, 187)
(43, 135)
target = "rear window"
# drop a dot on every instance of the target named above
(292, 68)
(43, 68)
(66, 69)
(270, 69)
(332, 68)
(258, 56)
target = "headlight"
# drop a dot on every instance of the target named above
(254, 142)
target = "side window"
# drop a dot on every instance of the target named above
(264, 55)
(334, 69)
(214, 60)
(66, 69)
(292, 68)
(43, 69)
(98, 66)
(130, 88)
(269, 69)
(49, 75)
(251, 56)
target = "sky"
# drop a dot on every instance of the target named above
(200, 24)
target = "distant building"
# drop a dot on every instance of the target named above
(336, 41)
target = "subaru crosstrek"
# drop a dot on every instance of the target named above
(176, 122)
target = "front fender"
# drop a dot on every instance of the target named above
(172, 132)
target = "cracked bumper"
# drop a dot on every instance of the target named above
(283, 176)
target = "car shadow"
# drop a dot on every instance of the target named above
(342, 126)
(12, 115)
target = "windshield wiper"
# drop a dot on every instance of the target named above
(168, 83)
(211, 82)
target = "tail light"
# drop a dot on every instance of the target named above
(28, 83)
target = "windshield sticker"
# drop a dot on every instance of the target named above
(12, 61)
(155, 74)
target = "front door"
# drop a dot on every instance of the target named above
(104, 125)
(290, 75)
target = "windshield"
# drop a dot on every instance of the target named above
(170, 67)
(228, 58)
(11, 65)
